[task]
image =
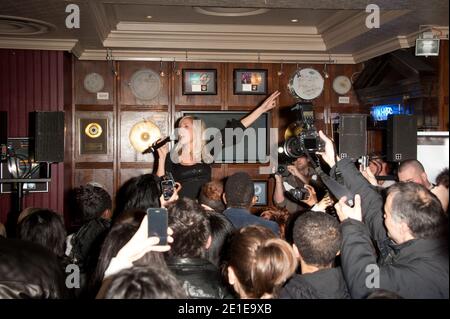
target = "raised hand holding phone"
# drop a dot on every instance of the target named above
(157, 224)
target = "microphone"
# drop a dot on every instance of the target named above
(152, 148)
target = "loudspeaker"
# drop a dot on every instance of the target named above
(401, 138)
(48, 129)
(3, 127)
(352, 136)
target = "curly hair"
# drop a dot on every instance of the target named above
(190, 227)
(92, 201)
(239, 190)
(318, 238)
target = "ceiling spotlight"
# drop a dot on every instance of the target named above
(427, 44)
(149, 17)
(294, 20)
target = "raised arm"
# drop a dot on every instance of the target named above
(266, 106)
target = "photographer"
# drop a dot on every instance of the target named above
(303, 178)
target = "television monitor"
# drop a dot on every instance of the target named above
(253, 148)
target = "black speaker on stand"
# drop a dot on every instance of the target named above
(47, 130)
(352, 136)
(401, 138)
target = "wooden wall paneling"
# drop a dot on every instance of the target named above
(103, 176)
(103, 68)
(127, 69)
(32, 80)
(197, 100)
(127, 173)
(108, 157)
(248, 101)
(69, 163)
(127, 121)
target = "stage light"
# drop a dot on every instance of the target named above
(427, 45)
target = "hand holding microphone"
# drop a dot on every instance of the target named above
(158, 144)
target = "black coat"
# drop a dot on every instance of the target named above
(323, 284)
(199, 278)
(29, 271)
(415, 269)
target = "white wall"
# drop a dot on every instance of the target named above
(432, 152)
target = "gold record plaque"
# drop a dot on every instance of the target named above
(93, 137)
(143, 134)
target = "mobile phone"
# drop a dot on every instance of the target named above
(167, 186)
(157, 224)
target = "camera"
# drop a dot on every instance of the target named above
(299, 194)
(167, 186)
(306, 137)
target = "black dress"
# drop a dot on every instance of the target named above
(193, 177)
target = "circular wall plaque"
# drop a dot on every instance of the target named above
(93, 82)
(342, 84)
(306, 84)
(145, 84)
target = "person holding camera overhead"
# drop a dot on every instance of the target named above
(302, 179)
(190, 161)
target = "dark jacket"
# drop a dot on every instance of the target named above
(240, 217)
(322, 284)
(28, 270)
(87, 243)
(415, 269)
(200, 278)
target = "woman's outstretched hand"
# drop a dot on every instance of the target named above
(266, 106)
(270, 102)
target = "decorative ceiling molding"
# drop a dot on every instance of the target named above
(37, 44)
(214, 37)
(217, 56)
(19, 26)
(399, 42)
(100, 18)
(350, 28)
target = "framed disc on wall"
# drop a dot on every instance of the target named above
(145, 84)
(93, 136)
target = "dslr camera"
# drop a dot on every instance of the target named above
(305, 139)
(299, 193)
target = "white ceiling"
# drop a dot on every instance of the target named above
(326, 29)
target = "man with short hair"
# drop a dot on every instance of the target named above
(413, 171)
(239, 197)
(187, 256)
(317, 242)
(413, 259)
(83, 247)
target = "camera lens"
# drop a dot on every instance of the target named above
(293, 147)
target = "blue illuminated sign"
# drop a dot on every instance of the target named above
(381, 112)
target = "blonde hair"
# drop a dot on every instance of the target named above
(261, 262)
(199, 151)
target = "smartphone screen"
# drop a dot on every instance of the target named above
(157, 224)
(167, 188)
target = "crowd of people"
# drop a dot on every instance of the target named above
(392, 243)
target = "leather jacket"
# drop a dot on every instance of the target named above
(28, 270)
(200, 278)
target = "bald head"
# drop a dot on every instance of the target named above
(413, 171)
